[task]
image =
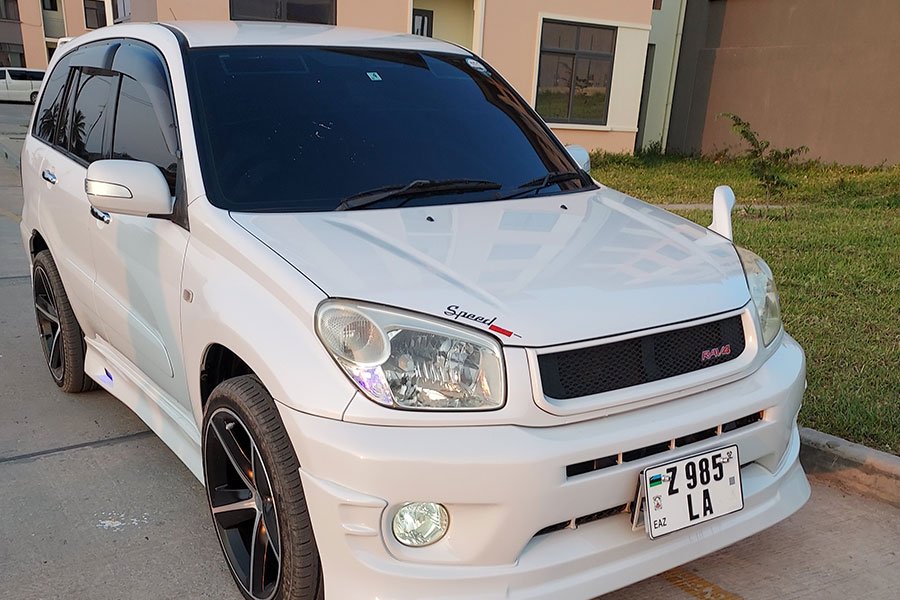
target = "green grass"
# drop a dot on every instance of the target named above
(834, 246)
(666, 179)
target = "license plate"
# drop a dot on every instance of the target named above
(692, 490)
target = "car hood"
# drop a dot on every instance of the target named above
(536, 272)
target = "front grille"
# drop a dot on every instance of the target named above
(584, 520)
(605, 462)
(594, 516)
(597, 464)
(607, 367)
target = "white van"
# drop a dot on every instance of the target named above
(20, 84)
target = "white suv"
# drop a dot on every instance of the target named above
(409, 345)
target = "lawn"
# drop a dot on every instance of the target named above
(833, 241)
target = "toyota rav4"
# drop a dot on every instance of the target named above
(408, 343)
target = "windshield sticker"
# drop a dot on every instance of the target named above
(457, 314)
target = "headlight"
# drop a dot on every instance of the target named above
(403, 360)
(763, 293)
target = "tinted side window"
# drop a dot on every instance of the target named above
(138, 135)
(3, 74)
(34, 75)
(17, 75)
(93, 93)
(51, 101)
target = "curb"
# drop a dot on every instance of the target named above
(851, 467)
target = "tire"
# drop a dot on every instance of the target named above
(241, 415)
(62, 340)
(33, 97)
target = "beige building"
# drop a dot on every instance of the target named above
(580, 63)
(802, 72)
(666, 28)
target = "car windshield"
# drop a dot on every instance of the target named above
(292, 129)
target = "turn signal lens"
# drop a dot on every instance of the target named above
(352, 336)
(763, 292)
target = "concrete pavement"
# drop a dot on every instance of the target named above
(94, 506)
(13, 124)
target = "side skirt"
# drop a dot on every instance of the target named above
(155, 407)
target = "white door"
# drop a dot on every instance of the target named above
(139, 259)
(4, 86)
(53, 177)
(18, 84)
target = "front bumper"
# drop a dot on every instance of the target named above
(503, 484)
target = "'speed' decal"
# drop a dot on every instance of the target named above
(454, 311)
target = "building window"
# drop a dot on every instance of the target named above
(121, 10)
(575, 72)
(423, 22)
(9, 10)
(12, 55)
(94, 14)
(300, 11)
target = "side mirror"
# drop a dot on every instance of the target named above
(723, 203)
(128, 187)
(581, 156)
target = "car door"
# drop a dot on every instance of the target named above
(4, 85)
(54, 175)
(35, 78)
(18, 85)
(138, 260)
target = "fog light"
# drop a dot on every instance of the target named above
(420, 523)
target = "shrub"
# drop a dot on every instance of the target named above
(767, 164)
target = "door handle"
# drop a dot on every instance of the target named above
(100, 215)
(49, 176)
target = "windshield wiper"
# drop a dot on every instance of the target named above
(419, 187)
(540, 183)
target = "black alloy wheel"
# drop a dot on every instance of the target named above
(61, 337)
(49, 328)
(255, 495)
(242, 504)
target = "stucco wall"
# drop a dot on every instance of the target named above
(820, 73)
(390, 15)
(32, 32)
(215, 10)
(145, 10)
(512, 30)
(453, 19)
(73, 12)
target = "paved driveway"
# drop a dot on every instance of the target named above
(93, 506)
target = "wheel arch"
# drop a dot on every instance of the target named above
(219, 363)
(36, 243)
(244, 302)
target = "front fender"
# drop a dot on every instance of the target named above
(248, 299)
